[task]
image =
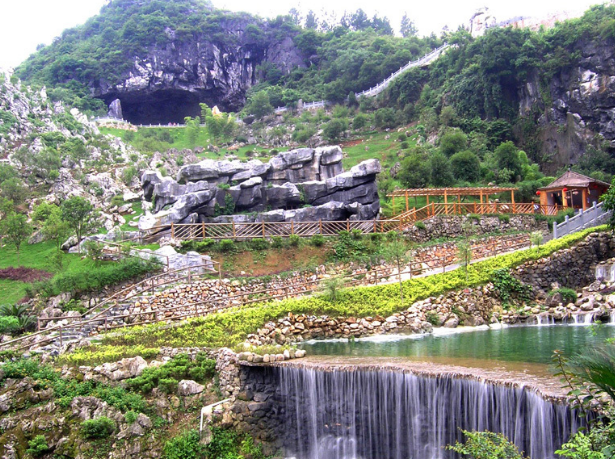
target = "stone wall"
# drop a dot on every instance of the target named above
(444, 226)
(573, 268)
(278, 190)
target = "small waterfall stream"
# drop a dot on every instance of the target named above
(379, 414)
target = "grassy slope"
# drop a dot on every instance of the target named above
(38, 256)
(231, 327)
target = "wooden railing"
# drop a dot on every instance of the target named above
(434, 209)
(253, 230)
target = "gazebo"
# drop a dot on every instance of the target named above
(573, 190)
(451, 193)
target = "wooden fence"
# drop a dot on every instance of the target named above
(457, 208)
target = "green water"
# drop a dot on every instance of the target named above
(531, 345)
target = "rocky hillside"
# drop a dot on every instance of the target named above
(56, 154)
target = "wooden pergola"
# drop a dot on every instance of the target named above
(480, 192)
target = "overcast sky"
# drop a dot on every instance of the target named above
(26, 23)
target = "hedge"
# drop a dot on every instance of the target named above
(229, 328)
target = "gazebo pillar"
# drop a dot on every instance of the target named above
(512, 200)
(584, 194)
(564, 199)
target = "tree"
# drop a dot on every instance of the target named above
(407, 28)
(193, 129)
(536, 239)
(453, 142)
(396, 252)
(609, 203)
(464, 253)
(14, 190)
(16, 230)
(55, 228)
(507, 157)
(260, 105)
(311, 21)
(414, 171)
(466, 166)
(334, 129)
(79, 214)
(440, 166)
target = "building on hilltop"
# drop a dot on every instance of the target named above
(573, 190)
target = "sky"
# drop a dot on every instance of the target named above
(26, 23)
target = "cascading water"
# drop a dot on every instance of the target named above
(545, 319)
(379, 414)
(605, 272)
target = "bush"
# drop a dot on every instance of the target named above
(487, 445)
(504, 218)
(420, 225)
(97, 428)
(166, 376)
(9, 325)
(38, 446)
(318, 240)
(130, 417)
(185, 446)
(259, 244)
(227, 245)
(432, 318)
(277, 242)
(568, 295)
(404, 145)
(294, 240)
(401, 137)
(509, 287)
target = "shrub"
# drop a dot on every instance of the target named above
(38, 446)
(432, 318)
(97, 428)
(185, 446)
(130, 417)
(401, 137)
(376, 237)
(9, 325)
(504, 218)
(318, 240)
(168, 385)
(509, 287)
(420, 225)
(356, 234)
(568, 295)
(294, 240)
(259, 244)
(277, 242)
(204, 245)
(227, 245)
(404, 145)
(332, 288)
(486, 445)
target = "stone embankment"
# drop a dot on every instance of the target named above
(450, 226)
(206, 296)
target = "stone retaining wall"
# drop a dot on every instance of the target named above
(445, 226)
(572, 268)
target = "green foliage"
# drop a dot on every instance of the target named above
(96, 355)
(432, 318)
(453, 142)
(100, 427)
(9, 325)
(568, 294)
(536, 238)
(187, 445)
(227, 245)
(509, 287)
(608, 200)
(420, 225)
(94, 279)
(441, 172)
(259, 244)
(415, 171)
(507, 157)
(360, 121)
(15, 229)
(259, 104)
(486, 445)
(581, 446)
(386, 118)
(334, 129)
(294, 240)
(277, 242)
(38, 446)
(466, 166)
(318, 240)
(14, 190)
(332, 287)
(464, 255)
(79, 214)
(167, 376)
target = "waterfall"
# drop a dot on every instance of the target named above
(379, 414)
(581, 319)
(544, 319)
(605, 272)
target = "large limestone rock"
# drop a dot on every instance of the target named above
(293, 186)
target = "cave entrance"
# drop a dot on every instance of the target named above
(160, 107)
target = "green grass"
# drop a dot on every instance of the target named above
(37, 256)
(231, 327)
(378, 147)
(138, 208)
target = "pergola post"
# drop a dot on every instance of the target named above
(445, 202)
(407, 206)
(512, 200)
(427, 199)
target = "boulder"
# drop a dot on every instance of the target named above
(189, 387)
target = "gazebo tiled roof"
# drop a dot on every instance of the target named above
(573, 180)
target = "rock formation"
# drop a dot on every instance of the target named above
(299, 185)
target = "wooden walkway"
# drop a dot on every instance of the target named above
(264, 230)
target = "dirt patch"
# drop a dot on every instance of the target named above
(350, 143)
(23, 274)
(273, 261)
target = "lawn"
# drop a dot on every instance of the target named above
(37, 256)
